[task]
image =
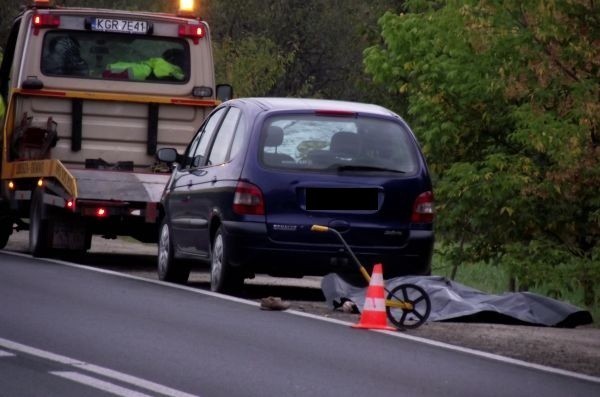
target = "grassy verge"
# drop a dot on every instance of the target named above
(495, 280)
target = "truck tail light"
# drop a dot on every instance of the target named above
(423, 211)
(101, 212)
(248, 200)
(194, 32)
(44, 21)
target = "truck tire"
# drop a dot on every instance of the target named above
(5, 231)
(223, 277)
(170, 268)
(38, 224)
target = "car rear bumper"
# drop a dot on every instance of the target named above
(251, 249)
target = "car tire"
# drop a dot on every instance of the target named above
(170, 268)
(38, 225)
(223, 277)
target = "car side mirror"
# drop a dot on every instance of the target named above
(167, 155)
(198, 161)
(224, 92)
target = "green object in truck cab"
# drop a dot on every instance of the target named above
(162, 69)
(142, 70)
(135, 70)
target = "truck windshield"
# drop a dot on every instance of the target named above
(113, 56)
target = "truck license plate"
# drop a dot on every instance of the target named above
(119, 25)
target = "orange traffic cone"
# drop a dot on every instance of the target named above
(373, 314)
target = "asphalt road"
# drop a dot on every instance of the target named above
(72, 332)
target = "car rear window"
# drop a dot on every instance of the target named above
(113, 56)
(325, 143)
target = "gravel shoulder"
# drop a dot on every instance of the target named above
(576, 350)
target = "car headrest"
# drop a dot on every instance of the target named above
(345, 142)
(274, 136)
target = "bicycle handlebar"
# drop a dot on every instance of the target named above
(319, 228)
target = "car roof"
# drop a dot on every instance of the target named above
(275, 104)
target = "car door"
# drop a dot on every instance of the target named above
(214, 183)
(185, 225)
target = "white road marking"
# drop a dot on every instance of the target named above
(6, 354)
(447, 346)
(99, 384)
(108, 373)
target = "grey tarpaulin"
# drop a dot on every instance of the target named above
(452, 301)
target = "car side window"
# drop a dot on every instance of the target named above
(191, 149)
(238, 138)
(220, 148)
(199, 153)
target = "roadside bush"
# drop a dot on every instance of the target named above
(504, 98)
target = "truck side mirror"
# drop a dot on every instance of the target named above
(224, 92)
(167, 155)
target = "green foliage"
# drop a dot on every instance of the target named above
(504, 97)
(316, 46)
(252, 65)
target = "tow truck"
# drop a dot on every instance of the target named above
(91, 95)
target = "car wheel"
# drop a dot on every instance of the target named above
(223, 278)
(169, 268)
(38, 225)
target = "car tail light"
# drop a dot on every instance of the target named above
(423, 211)
(248, 200)
(194, 32)
(335, 113)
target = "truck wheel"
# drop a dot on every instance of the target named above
(169, 268)
(38, 226)
(223, 277)
(5, 231)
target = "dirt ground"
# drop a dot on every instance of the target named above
(575, 349)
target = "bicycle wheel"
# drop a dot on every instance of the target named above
(403, 317)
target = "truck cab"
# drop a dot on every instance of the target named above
(91, 95)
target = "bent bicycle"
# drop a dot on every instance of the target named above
(406, 305)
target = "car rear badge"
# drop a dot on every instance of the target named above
(398, 233)
(285, 228)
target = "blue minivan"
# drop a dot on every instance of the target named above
(261, 171)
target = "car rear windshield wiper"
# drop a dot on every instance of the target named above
(365, 168)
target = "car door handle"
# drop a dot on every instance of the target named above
(214, 180)
(189, 184)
